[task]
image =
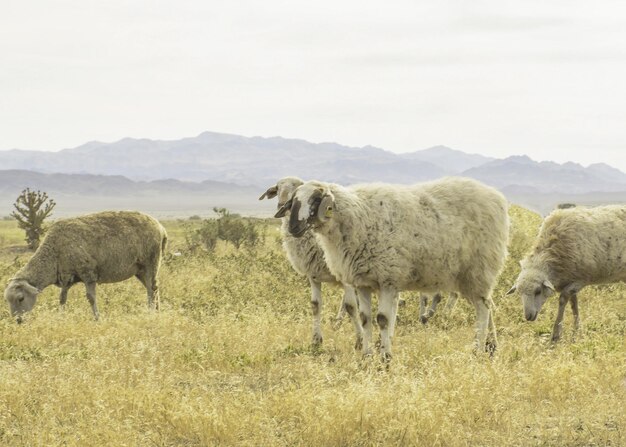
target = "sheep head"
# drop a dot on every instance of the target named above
(311, 206)
(283, 189)
(535, 288)
(21, 297)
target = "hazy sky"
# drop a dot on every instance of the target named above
(545, 78)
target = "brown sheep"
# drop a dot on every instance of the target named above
(98, 248)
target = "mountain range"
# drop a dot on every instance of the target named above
(215, 165)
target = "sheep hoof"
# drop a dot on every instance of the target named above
(358, 345)
(336, 324)
(317, 340)
(401, 302)
(386, 358)
(423, 319)
(367, 353)
(490, 348)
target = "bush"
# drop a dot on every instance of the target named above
(227, 227)
(564, 206)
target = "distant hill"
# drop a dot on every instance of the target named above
(450, 160)
(81, 193)
(549, 177)
(226, 158)
(212, 167)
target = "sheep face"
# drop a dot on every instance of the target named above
(535, 289)
(21, 297)
(283, 189)
(311, 206)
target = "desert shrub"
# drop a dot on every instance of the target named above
(195, 217)
(564, 206)
(228, 227)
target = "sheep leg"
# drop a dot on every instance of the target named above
(341, 313)
(433, 308)
(394, 316)
(386, 303)
(316, 308)
(558, 323)
(482, 323)
(422, 311)
(351, 305)
(152, 289)
(574, 303)
(91, 296)
(63, 296)
(451, 301)
(365, 312)
(492, 338)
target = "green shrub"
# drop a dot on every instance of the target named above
(227, 227)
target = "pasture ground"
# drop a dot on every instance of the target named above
(227, 361)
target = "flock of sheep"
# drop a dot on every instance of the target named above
(448, 235)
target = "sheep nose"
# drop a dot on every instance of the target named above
(531, 315)
(19, 320)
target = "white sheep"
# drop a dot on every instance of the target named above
(97, 248)
(448, 235)
(576, 247)
(307, 258)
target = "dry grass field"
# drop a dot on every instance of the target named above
(227, 361)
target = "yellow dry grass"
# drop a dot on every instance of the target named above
(227, 361)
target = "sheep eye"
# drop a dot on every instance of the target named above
(20, 299)
(537, 291)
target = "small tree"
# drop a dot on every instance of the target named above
(31, 209)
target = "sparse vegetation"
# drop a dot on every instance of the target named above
(31, 209)
(227, 361)
(564, 206)
(227, 227)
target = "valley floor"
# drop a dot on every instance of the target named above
(227, 361)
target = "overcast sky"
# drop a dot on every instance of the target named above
(544, 78)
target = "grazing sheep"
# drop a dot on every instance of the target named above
(447, 235)
(94, 249)
(576, 247)
(307, 258)
(425, 315)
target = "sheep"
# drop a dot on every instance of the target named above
(450, 235)
(425, 315)
(575, 247)
(98, 248)
(307, 258)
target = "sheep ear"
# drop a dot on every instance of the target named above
(26, 287)
(271, 192)
(512, 290)
(283, 209)
(549, 285)
(326, 207)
